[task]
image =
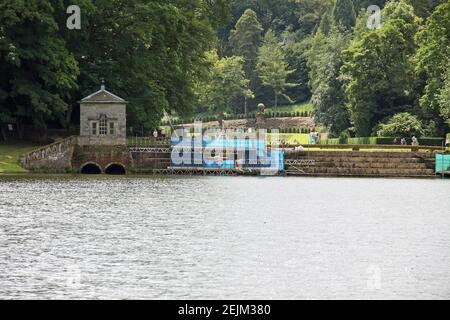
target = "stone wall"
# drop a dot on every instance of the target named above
(101, 141)
(92, 111)
(54, 158)
(102, 156)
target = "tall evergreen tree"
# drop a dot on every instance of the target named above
(325, 23)
(344, 13)
(245, 40)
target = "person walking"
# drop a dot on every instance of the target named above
(414, 142)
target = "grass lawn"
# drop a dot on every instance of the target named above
(301, 107)
(292, 138)
(10, 154)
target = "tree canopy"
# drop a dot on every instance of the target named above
(401, 125)
(225, 82)
(188, 56)
(433, 64)
(150, 52)
(377, 72)
(272, 67)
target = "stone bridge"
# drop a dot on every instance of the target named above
(72, 156)
(102, 159)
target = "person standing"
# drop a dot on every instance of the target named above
(311, 137)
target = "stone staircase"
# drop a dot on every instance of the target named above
(363, 164)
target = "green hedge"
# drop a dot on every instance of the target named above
(425, 141)
(429, 141)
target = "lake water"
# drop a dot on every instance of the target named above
(224, 238)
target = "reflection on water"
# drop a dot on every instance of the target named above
(216, 237)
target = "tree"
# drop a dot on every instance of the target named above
(325, 23)
(444, 97)
(325, 61)
(423, 8)
(272, 67)
(377, 71)
(309, 13)
(344, 13)
(226, 81)
(433, 65)
(296, 58)
(37, 72)
(245, 40)
(151, 52)
(401, 125)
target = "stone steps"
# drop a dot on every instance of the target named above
(368, 171)
(356, 154)
(399, 175)
(362, 165)
(361, 160)
(355, 163)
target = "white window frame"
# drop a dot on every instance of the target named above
(103, 127)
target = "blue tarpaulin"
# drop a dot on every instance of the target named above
(443, 163)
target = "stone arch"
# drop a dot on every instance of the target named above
(115, 169)
(91, 168)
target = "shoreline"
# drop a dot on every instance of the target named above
(143, 175)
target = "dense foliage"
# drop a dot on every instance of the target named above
(225, 83)
(273, 69)
(401, 125)
(150, 52)
(226, 56)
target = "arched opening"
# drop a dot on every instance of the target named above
(91, 168)
(115, 169)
